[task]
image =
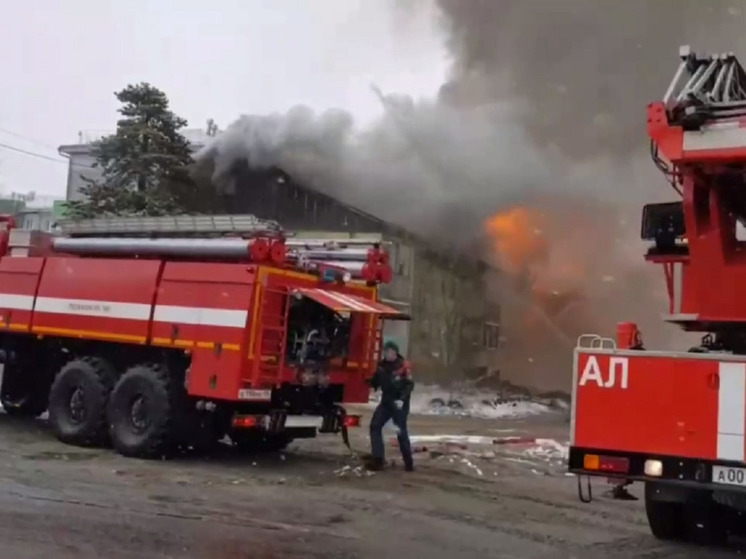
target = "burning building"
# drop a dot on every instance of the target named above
(455, 327)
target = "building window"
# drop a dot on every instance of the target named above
(491, 335)
(398, 255)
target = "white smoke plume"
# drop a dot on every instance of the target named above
(423, 160)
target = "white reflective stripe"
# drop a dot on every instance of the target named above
(16, 302)
(203, 316)
(678, 286)
(715, 138)
(731, 411)
(89, 307)
(303, 421)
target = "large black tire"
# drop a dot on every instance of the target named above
(144, 412)
(666, 519)
(23, 395)
(78, 399)
(706, 521)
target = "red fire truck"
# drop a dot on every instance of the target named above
(676, 421)
(156, 334)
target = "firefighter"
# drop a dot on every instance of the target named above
(394, 377)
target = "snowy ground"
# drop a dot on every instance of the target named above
(486, 443)
(481, 488)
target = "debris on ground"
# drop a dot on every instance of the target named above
(356, 471)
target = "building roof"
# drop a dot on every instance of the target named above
(437, 249)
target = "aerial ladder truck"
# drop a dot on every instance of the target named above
(155, 334)
(676, 421)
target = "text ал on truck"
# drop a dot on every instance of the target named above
(676, 421)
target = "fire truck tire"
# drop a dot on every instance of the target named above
(77, 401)
(143, 411)
(706, 521)
(665, 518)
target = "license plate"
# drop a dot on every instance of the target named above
(304, 421)
(729, 476)
(256, 395)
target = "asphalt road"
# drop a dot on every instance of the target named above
(312, 501)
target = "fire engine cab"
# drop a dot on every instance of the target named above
(159, 333)
(676, 421)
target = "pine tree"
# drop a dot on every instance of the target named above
(144, 165)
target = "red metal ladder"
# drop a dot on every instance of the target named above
(373, 347)
(270, 353)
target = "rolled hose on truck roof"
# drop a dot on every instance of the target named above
(360, 263)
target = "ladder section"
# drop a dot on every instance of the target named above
(706, 88)
(270, 344)
(169, 226)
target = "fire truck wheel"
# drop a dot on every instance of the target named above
(77, 401)
(665, 518)
(706, 521)
(142, 412)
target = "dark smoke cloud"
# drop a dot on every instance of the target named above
(544, 106)
(586, 68)
(422, 163)
(535, 88)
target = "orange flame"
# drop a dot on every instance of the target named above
(518, 238)
(526, 243)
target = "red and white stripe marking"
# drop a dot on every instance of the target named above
(719, 135)
(205, 316)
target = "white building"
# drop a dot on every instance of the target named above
(81, 159)
(38, 219)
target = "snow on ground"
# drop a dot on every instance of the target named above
(433, 400)
(548, 449)
(544, 457)
(541, 449)
(483, 455)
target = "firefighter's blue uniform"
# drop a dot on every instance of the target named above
(394, 378)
